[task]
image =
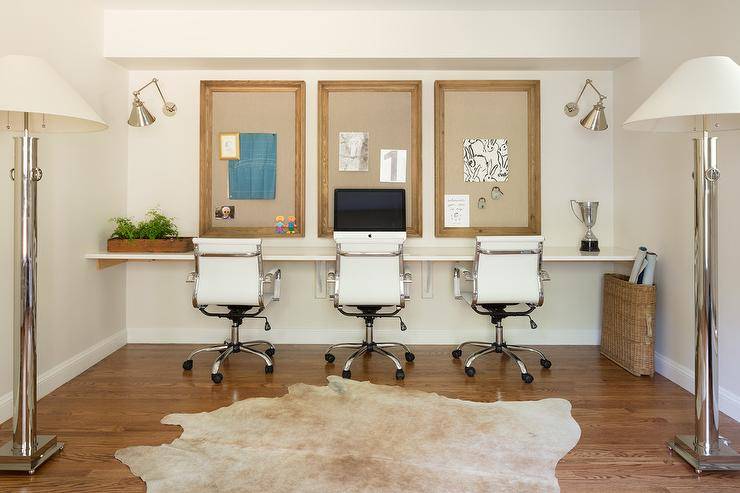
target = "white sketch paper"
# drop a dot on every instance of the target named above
(393, 165)
(485, 160)
(353, 151)
(457, 211)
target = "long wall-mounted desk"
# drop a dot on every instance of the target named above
(322, 255)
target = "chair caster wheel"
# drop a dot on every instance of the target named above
(270, 352)
(470, 371)
(527, 378)
(457, 353)
(410, 356)
(217, 377)
(187, 365)
(400, 375)
(546, 363)
(269, 368)
(329, 358)
(346, 374)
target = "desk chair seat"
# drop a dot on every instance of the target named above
(229, 277)
(507, 271)
(370, 282)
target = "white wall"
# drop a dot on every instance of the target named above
(81, 310)
(653, 187)
(163, 170)
(371, 34)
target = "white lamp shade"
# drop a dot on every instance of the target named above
(707, 86)
(30, 85)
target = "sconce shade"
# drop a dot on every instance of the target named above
(706, 86)
(140, 116)
(30, 85)
(595, 119)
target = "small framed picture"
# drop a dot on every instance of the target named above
(225, 212)
(229, 148)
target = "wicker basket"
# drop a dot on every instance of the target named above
(627, 324)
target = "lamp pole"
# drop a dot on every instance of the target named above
(706, 449)
(27, 450)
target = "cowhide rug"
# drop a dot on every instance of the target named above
(356, 436)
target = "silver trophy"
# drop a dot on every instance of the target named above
(587, 216)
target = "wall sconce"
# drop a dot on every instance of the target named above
(595, 119)
(140, 116)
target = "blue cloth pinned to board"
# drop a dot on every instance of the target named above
(254, 175)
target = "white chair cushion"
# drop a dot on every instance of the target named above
(369, 281)
(228, 280)
(508, 278)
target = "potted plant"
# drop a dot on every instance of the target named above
(156, 233)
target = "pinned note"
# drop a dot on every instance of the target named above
(457, 211)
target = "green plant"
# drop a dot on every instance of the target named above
(157, 226)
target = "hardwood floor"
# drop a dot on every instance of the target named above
(117, 403)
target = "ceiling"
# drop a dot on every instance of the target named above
(372, 5)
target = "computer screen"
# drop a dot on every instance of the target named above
(369, 209)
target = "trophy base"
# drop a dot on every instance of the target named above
(590, 246)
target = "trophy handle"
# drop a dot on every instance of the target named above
(574, 211)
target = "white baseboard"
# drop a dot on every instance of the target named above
(729, 403)
(67, 370)
(334, 335)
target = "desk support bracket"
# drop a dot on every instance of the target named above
(427, 282)
(320, 271)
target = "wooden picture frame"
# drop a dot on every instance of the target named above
(326, 89)
(209, 88)
(531, 92)
(232, 137)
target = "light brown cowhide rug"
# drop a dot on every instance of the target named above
(356, 436)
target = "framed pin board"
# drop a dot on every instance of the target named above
(487, 157)
(252, 158)
(370, 137)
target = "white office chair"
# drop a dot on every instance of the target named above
(368, 279)
(507, 271)
(228, 274)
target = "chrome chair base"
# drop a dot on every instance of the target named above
(227, 349)
(370, 347)
(500, 347)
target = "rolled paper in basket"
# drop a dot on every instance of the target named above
(637, 266)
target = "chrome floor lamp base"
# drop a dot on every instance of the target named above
(724, 458)
(46, 447)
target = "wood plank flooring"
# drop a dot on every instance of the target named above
(117, 403)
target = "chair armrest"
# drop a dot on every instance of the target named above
(331, 279)
(407, 280)
(458, 272)
(273, 277)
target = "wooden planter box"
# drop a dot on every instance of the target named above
(169, 245)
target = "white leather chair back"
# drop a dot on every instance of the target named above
(369, 269)
(507, 269)
(229, 271)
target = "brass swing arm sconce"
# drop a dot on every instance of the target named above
(595, 119)
(140, 115)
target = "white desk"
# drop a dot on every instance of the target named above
(410, 254)
(322, 255)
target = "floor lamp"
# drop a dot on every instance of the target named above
(701, 96)
(33, 98)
